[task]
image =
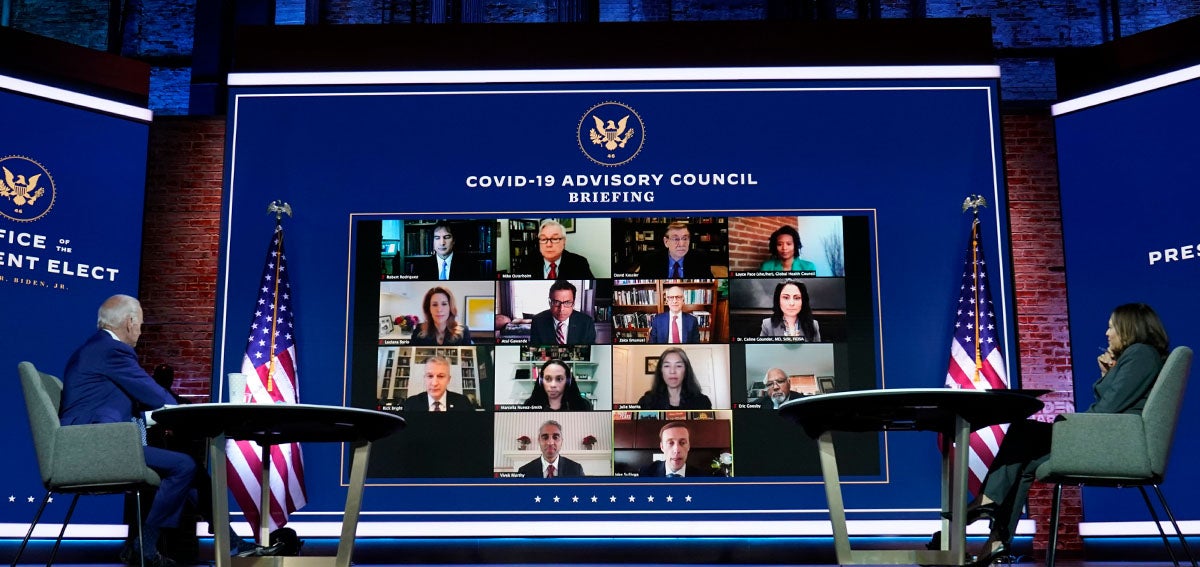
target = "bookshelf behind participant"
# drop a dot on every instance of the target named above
(642, 311)
(438, 249)
(649, 247)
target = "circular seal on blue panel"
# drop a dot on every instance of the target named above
(611, 133)
(26, 189)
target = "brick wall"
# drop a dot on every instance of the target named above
(181, 235)
(748, 240)
(1030, 162)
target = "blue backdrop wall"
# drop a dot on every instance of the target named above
(1128, 175)
(70, 236)
(898, 147)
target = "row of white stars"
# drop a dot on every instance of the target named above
(12, 498)
(612, 499)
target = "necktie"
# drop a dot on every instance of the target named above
(675, 271)
(445, 270)
(675, 328)
(437, 406)
(553, 275)
(558, 332)
(672, 475)
(141, 425)
(549, 471)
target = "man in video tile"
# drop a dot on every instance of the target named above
(674, 326)
(554, 261)
(550, 464)
(779, 390)
(561, 324)
(436, 397)
(676, 260)
(674, 440)
(442, 265)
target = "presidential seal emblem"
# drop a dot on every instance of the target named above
(26, 189)
(611, 133)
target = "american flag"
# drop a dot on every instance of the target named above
(976, 361)
(270, 368)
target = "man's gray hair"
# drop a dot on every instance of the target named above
(551, 222)
(116, 310)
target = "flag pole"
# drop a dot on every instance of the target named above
(279, 207)
(975, 202)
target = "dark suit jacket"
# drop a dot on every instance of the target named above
(103, 380)
(768, 404)
(570, 266)
(581, 329)
(660, 328)
(656, 265)
(659, 468)
(461, 268)
(566, 467)
(455, 401)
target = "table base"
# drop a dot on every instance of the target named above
(358, 476)
(954, 490)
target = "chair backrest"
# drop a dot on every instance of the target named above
(43, 394)
(1163, 407)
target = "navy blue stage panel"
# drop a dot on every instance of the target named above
(1128, 173)
(72, 182)
(862, 171)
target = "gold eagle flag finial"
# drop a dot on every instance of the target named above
(974, 202)
(279, 207)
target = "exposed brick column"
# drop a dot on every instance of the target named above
(1031, 166)
(180, 240)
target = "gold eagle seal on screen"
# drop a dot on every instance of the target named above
(26, 189)
(611, 133)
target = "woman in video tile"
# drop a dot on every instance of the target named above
(441, 326)
(675, 385)
(557, 390)
(785, 251)
(791, 314)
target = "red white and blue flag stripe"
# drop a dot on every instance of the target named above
(271, 378)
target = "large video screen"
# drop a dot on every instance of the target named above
(536, 263)
(468, 314)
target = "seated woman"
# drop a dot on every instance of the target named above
(791, 314)
(675, 386)
(557, 390)
(1137, 349)
(785, 248)
(440, 326)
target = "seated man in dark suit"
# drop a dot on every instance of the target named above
(442, 265)
(674, 440)
(102, 383)
(550, 464)
(561, 324)
(554, 261)
(779, 390)
(436, 397)
(676, 260)
(674, 326)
